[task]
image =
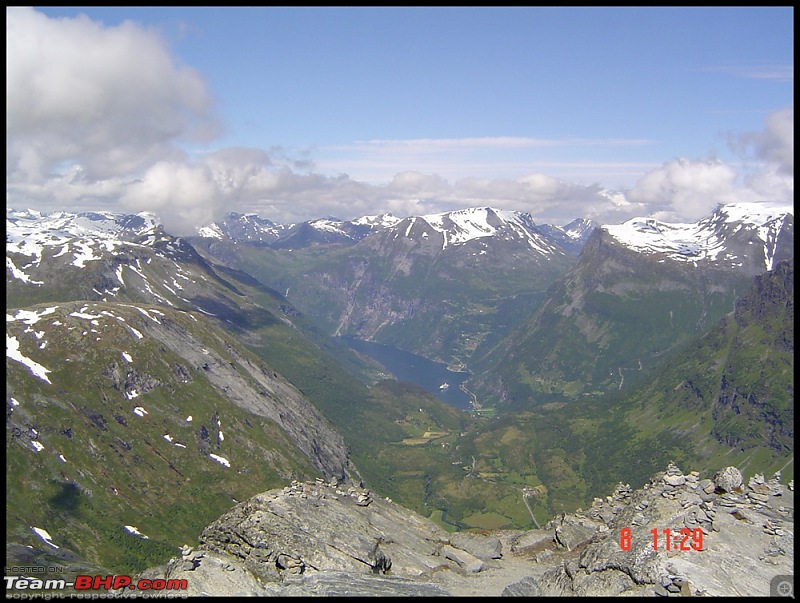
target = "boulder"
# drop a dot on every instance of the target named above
(728, 480)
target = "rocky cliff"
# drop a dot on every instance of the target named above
(681, 534)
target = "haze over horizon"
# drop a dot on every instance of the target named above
(300, 113)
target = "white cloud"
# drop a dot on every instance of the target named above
(771, 183)
(98, 118)
(775, 144)
(431, 145)
(759, 71)
(686, 189)
(110, 99)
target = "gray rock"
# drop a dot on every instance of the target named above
(674, 480)
(273, 397)
(571, 534)
(728, 480)
(313, 528)
(482, 547)
(527, 587)
(212, 574)
(342, 584)
(465, 560)
(315, 539)
(532, 538)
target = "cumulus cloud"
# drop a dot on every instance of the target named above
(688, 189)
(773, 145)
(187, 194)
(111, 99)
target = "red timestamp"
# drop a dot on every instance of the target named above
(688, 540)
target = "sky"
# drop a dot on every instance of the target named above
(298, 113)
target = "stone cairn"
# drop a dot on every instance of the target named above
(317, 489)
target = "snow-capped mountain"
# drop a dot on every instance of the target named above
(734, 235)
(253, 229)
(466, 225)
(69, 225)
(453, 228)
(434, 280)
(79, 237)
(244, 227)
(104, 257)
(637, 291)
(572, 236)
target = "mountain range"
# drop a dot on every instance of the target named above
(537, 313)
(587, 345)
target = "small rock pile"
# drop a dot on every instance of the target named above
(319, 489)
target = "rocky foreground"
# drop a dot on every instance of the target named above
(727, 537)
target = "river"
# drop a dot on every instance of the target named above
(418, 370)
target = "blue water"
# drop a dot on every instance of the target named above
(416, 369)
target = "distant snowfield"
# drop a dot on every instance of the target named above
(700, 240)
(459, 227)
(32, 233)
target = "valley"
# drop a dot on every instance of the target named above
(399, 301)
(582, 366)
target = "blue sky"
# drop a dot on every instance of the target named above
(299, 113)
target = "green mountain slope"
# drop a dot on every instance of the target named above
(135, 415)
(215, 343)
(604, 326)
(136, 341)
(725, 398)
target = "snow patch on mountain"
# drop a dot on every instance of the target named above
(378, 221)
(577, 228)
(19, 274)
(44, 535)
(211, 232)
(135, 531)
(221, 460)
(334, 226)
(12, 352)
(30, 317)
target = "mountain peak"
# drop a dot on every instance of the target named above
(464, 225)
(732, 235)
